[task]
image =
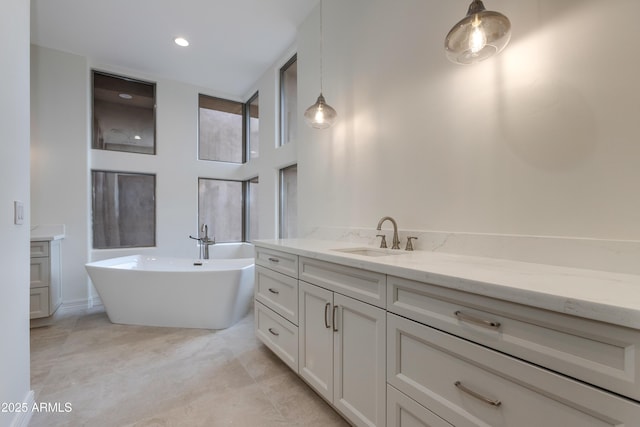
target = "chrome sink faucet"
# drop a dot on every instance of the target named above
(396, 242)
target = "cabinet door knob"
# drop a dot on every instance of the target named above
(274, 291)
(477, 395)
(335, 319)
(273, 332)
(326, 312)
(491, 324)
(272, 259)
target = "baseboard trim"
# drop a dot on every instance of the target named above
(81, 304)
(21, 419)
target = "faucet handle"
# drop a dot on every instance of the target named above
(409, 246)
(383, 243)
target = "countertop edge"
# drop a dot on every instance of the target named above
(620, 310)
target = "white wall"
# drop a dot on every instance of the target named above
(541, 140)
(14, 185)
(59, 157)
(62, 160)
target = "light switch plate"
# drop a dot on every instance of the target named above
(18, 212)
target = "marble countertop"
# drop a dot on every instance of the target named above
(47, 232)
(598, 295)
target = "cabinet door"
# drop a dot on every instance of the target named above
(359, 361)
(315, 341)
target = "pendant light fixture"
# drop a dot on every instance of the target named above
(320, 115)
(478, 36)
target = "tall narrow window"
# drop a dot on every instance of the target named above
(289, 202)
(123, 114)
(221, 208)
(289, 101)
(124, 209)
(220, 130)
(253, 126)
(251, 227)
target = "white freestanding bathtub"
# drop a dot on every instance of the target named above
(187, 293)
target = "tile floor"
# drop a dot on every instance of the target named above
(122, 375)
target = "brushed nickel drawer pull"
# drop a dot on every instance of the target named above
(478, 396)
(274, 291)
(491, 324)
(273, 332)
(335, 320)
(272, 259)
(326, 312)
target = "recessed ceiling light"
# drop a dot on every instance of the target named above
(180, 41)
(137, 137)
(125, 96)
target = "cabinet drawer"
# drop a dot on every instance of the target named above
(39, 303)
(278, 334)
(470, 385)
(363, 285)
(279, 261)
(403, 411)
(39, 275)
(278, 292)
(40, 249)
(599, 353)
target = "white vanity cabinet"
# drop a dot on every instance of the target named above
(45, 287)
(276, 303)
(312, 315)
(342, 353)
(343, 338)
(468, 383)
(410, 351)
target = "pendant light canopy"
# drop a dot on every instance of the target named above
(478, 36)
(320, 115)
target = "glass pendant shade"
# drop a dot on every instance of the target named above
(478, 36)
(320, 115)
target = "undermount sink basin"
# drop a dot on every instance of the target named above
(371, 252)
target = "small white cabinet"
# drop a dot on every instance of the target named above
(342, 353)
(45, 286)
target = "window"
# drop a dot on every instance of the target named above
(220, 130)
(253, 126)
(251, 209)
(288, 101)
(289, 202)
(221, 207)
(124, 209)
(123, 114)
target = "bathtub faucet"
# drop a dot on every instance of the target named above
(204, 241)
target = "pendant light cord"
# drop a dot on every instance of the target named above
(321, 46)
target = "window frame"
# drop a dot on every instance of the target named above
(282, 200)
(243, 214)
(247, 230)
(93, 112)
(93, 210)
(283, 131)
(247, 126)
(243, 138)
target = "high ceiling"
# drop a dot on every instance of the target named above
(233, 42)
